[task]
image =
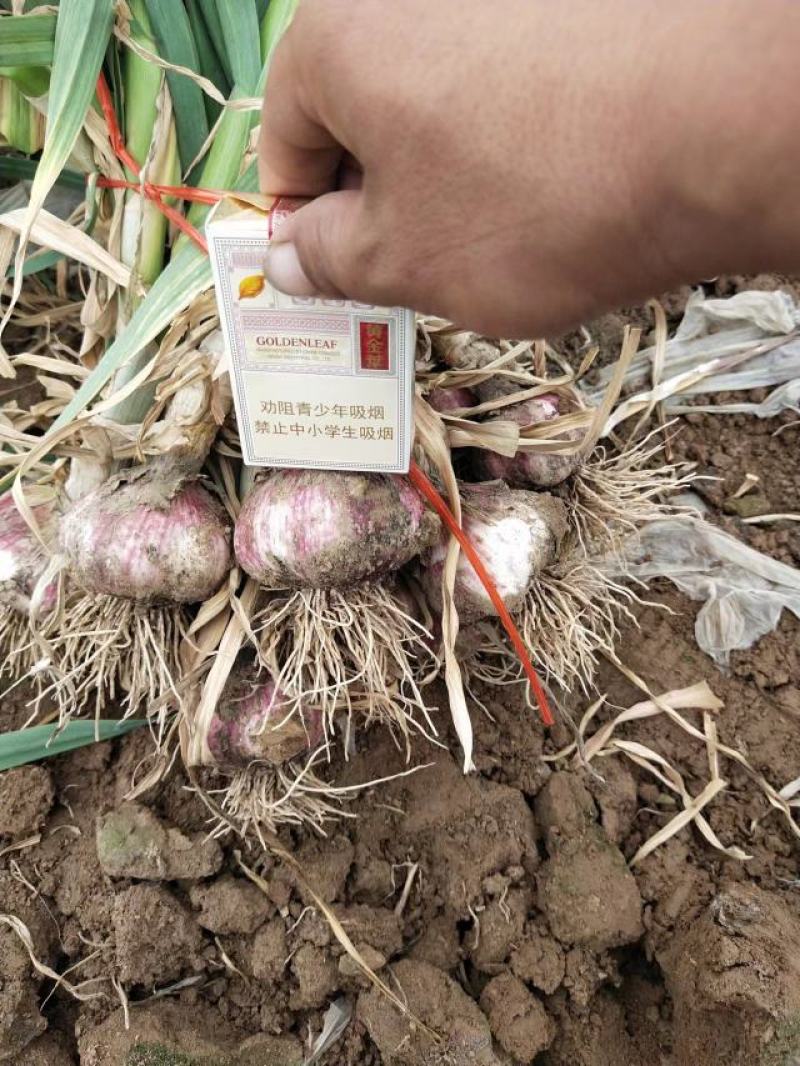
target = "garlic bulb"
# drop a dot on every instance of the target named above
(257, 722)
(23, 559)
(531, 469)
(303, 529)
(148, 542)
(453, 398)
(516, 534)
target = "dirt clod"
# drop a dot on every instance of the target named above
(353, 974)
(326, 868)
(584, 974)
(133, 842)
(376, 926)
(317, 978)
(156, 938)
(564, 808)
(734, 976)
(439, 944)
(440, 1004)
(264, 1050)
(269, 951)
(372, 878)
(447, 825)
(230, 905)
(46, 1051)
(26, 796)
(498, 929)
(539, 961)
(20, 1020)
(599, 1039)
(158, 1034)
(589, 895)
(616, 797)
(16, 901)
(518, 1020)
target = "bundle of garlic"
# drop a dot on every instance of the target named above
(149, 607)
(544, 512)
(337, 628)
(134, 551)
(261, 749)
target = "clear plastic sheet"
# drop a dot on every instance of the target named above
(744, 591)
(746, 341)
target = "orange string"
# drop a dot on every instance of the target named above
(418, 479)
(180, 192)
(125, 157)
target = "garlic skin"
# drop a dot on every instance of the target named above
(251, 722)
(92, 467)
(453, 398)
(304, 529)
(516, 534)
(530, 469)
(191, 422)
(148, 542)
(23, 560)
(463, 350)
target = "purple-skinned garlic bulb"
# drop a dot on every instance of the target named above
(452, 398)
(255, 721)
(334, 623)
(146, 542)
(528, 469)
(136, 552)
(303, 529)
(23, 559)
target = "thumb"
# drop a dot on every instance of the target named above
(320, 249)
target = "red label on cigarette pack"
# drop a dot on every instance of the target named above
(374, 345)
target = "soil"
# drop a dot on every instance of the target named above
(500, 908)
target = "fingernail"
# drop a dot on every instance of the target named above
(284, 271)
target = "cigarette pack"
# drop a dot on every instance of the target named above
(325, 384)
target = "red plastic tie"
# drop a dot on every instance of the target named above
(422, 484)
(180, 192)
(151, 192)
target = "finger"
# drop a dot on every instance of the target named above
(351, 175)
(323, 250)
(297, 156)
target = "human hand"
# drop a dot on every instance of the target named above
(520, 167)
